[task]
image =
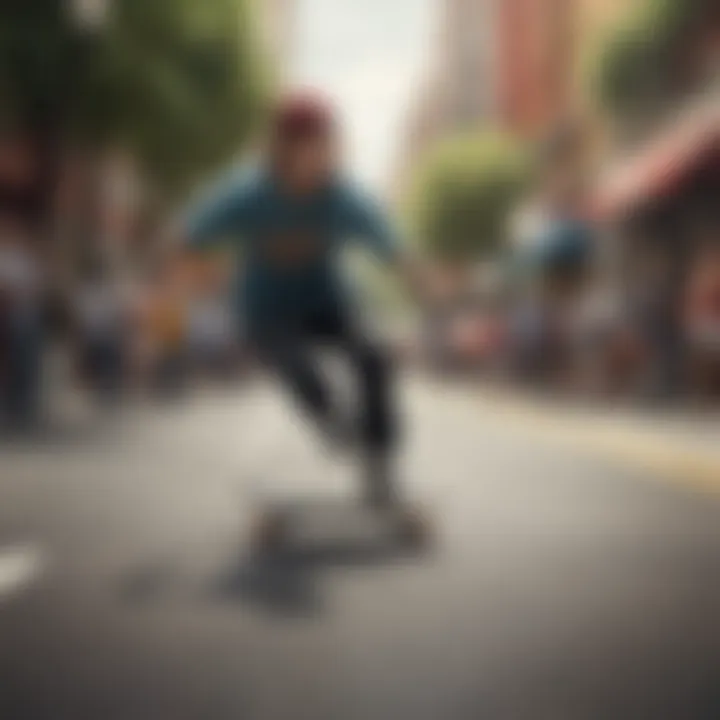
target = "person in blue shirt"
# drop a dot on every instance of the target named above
(291, 216)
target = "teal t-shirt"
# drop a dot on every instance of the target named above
(288, 247)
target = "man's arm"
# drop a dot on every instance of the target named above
(223, 212)
(371, 225)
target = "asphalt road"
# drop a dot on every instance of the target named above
(565, 585)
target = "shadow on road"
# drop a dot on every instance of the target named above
(290, 582)
(324, 537)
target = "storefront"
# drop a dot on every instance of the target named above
(661, 212)
(670, 185)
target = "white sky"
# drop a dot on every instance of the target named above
(368, 55)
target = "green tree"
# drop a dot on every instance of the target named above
(460, 204)
(175, 82)
(638, 65)
(184, 83)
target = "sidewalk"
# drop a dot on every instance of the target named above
(675, 444)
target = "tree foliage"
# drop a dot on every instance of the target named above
(175, 82)
(460, 205)
(638, 63)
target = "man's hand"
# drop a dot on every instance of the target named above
(423, 283)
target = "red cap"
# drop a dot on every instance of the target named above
(303, 114)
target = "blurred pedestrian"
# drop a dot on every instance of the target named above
(167, 327)
(702, 321)
(21, 299)
(658, 317)
(211, 332)
(561, 248)
(102, 325)
(528, 338)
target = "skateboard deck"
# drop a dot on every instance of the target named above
(312, 522)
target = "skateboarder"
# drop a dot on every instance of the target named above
(291, 215)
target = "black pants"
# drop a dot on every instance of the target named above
(289, 348)
(21, 357)
(104, 365)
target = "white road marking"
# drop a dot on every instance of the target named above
(20, 565)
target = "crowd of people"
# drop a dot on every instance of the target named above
(594, 342)
(155, 331)
(569, 307)
(147, 333)
(595, 307)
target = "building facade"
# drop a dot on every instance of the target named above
(535, 63)
(278, 19)
(515, 64)
(458, 93)
(540, 49)
(466, 61)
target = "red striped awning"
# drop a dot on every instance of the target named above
(660, 169)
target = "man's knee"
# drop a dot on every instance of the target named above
(296, 368)
(375, 364)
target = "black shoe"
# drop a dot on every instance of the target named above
(269, 533)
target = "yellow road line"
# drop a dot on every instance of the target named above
(648, 451)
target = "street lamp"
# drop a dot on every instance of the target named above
(90, 15)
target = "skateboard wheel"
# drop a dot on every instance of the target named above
(269, 533)
(414, 529)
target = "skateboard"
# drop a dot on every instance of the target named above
(283, 525)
